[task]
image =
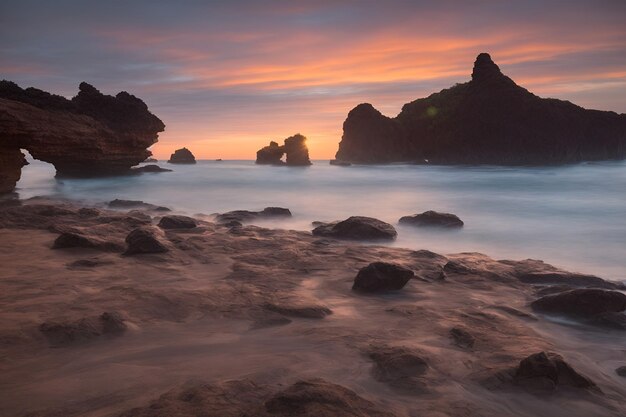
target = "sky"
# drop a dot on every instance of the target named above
(226, 77)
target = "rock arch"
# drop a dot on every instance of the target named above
(92, 134)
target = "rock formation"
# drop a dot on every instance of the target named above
(357, 228)
(433, 218)
(182, 156)
(488, 120)
(294, 148)
(92, 134)
(382, 276)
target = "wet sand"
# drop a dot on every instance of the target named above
(226, 304)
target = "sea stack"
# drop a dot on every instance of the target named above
(182, 156)
(295, 149)
(90, 135)
(488, 120)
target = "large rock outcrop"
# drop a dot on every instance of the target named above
(488, 120)
(182, 156)
(90, 135)
(295, 149)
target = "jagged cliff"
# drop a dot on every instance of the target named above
(92, 134)
(488, 120)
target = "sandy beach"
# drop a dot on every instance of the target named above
(236, 320)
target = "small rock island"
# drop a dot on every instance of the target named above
(488, 120)
(182, 156)
(295, 149)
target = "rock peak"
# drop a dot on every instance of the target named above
(485, 68)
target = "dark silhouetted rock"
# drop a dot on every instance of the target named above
(308, 311)
(584, 303)
(136, 204)
(488, 120)
(400, 367)
(151, 160)
(381, 276)
(357, 228)
(243, 216)
(93, 134)
(295, 148)
(432, 218)
(462, 338)
(177, 222)
(182, 156)
(150, 168)
(545, 372)
(297, 154)
(78, 240)
(144, 240)
(339, 163)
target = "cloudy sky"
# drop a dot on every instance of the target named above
(228, 76)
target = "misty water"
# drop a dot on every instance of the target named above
(570, 216)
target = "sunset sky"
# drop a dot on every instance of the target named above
(226, 77)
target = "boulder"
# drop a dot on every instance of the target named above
(382, 276)
(182, 156)
(357, 228)
(177, 222)
(243, 216)
(144, 240)
(62, 334)
(488, 120)
(270, 155)
(462, 338)
(90, 135)
(621, 371)
(583, 303)
(90, 240)
(432, 218)
(546, 371)
(400, 367)
(319, 398)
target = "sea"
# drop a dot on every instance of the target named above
(571, 216)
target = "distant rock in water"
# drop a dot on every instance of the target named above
(433, 218)
(247, 215)
(182, 156)
(151, 169)
(153, 160)
(488, 120)
(90, 135)
(295, 149)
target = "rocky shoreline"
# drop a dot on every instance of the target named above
(133, 310)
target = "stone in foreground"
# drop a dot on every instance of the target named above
(177, 222)
(432, 218)
(357, 228)
(143, 240)
(382, 276)
(546, 371)
(583, 303)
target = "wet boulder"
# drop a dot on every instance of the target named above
(400, 367)
(432, 218)
(151, 168)
(66, 333)
(319, 398)
(243, 216)
(546, 371)
(357, 228)
(308, 311)
(144, 240)
(582, 303)
(177, 222)
(135, 204)
(381, 276)
(462, 338)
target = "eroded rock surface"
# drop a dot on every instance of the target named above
(92, 134)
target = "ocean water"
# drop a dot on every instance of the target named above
(570, 216)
